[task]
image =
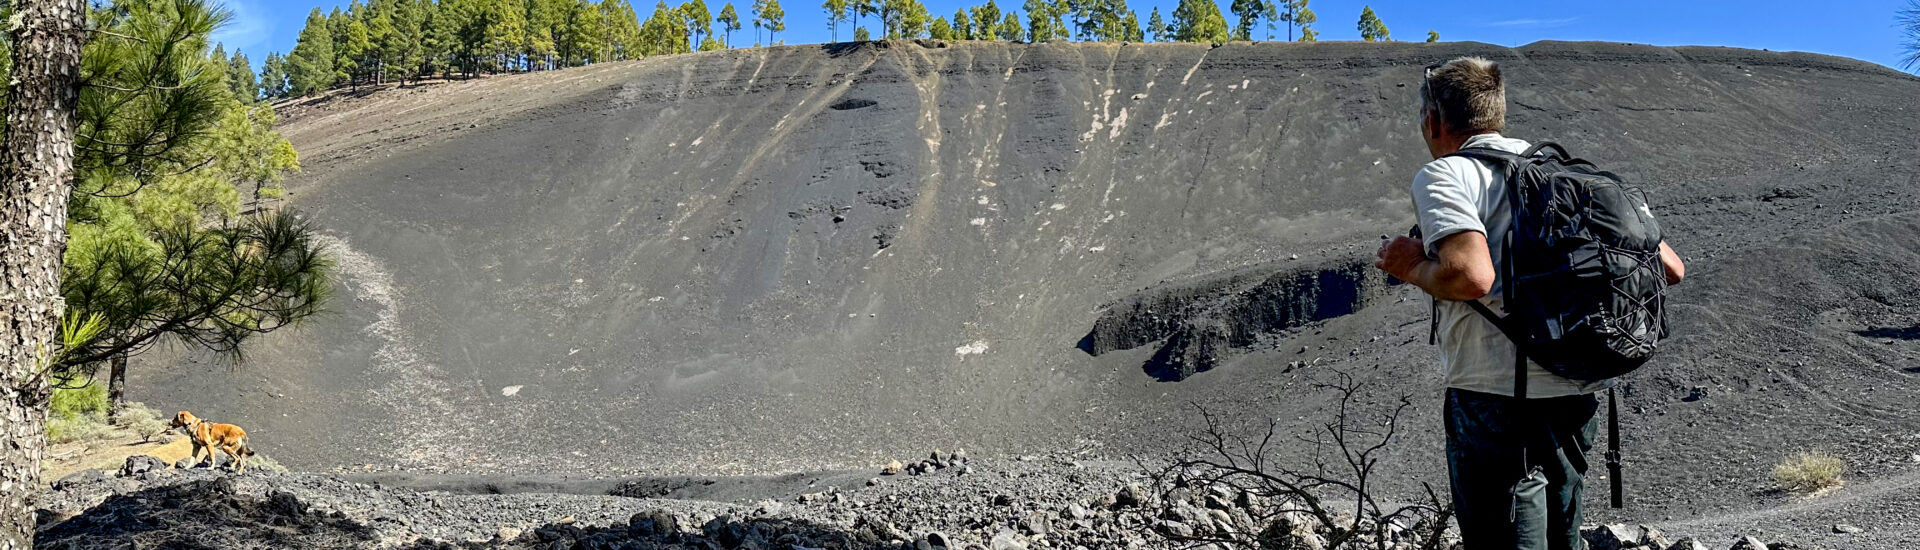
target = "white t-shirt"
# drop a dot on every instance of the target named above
(1456, 194)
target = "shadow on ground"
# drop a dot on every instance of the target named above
(662, 530)
(203, 514)
(1909, 333)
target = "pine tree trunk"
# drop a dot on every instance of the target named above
(116, 387)
(36, 177)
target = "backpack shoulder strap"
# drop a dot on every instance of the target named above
(1496, 156)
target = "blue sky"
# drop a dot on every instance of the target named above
(1860, 29)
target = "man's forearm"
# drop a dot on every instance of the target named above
(1434, 277)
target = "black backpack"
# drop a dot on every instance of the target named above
(1583, 283)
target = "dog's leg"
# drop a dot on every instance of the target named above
(233, 458)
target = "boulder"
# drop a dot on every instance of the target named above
(724, 530)
(1007, 540)
(1036, 523)
(140, 464)
(893, 467)
(1131, 495)
(1748, 543)
(184, 463)
(1687, 544)
(81, 477)
(286, 504)
(1612, 536)
(653, 524)
(1176, 529)
(1652, 537)
(506, 534)
(1845, 529)
(1287, 534)
(932, 541)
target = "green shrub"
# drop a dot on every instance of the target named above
(262, 463)
(1808, 472)
(142, 420)
(72, 403)
(85, 427)
(79, 414)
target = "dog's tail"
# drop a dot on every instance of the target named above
(245, 449)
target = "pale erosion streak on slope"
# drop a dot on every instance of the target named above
(414, 389)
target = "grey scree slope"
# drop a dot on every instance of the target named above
(822, 257)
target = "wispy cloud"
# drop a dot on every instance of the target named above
(1538, 23)
(247, 30)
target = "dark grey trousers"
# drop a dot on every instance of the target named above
(1515, 485)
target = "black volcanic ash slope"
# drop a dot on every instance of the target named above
(817, 257)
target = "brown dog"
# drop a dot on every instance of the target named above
(213, 437)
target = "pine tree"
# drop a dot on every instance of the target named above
(942, 30)
(43, 46)
(1433, 36)
(350, 44)
(620, 31)
(664, 33)
(1371, 28)
(1131, 24)
(402, 47)
(1066, 18)
(863, 7)
(836, 11)
(1305, 20)
(273, 77)
(986, 21)
(1011, 30)
(1199, 21)
(699, 20)
(240, 77)
(914, 19)
(1156, 26)
(312, 59)
(1248, 12)
(729, 22)
(143, 53)
(776, 20)
(378, 19)
(759, 19)
(440, 30)
(1039, 20)
(578, 37)
(962, 25)
(1909, 22)
(1289, 13)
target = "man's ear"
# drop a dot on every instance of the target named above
(1430, 124)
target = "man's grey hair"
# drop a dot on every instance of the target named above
(1467, 94)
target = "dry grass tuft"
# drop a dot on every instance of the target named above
(1809, 472)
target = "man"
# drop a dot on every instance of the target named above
(1494, 441)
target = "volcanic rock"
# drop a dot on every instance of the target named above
(141, 464)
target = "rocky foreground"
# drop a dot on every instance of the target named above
(945, 501)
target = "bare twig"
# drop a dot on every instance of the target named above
(1292, 499)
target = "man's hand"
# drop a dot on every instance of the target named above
(1463, 271)
(1399, 256)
